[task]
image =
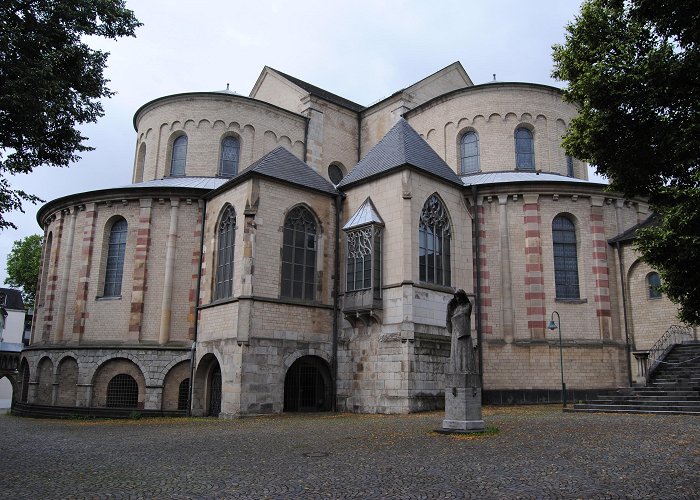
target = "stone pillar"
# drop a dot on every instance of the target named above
(534, 278)
(153, 397)
(314, 137)
(642, 358)
(170, 249)
(482, 267)
(138, 289)
(507, 317)
(83, 395)
(600, 270)
(65, 277)
(85, 267)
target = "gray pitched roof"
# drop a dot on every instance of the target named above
(365, 214)
(319, 92)
(282, 165)
(400, 146)
(510, 176)
(631, 234)
(12, 299)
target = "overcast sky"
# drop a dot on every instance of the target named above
(363, 50)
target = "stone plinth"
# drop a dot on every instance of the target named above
(462, 403)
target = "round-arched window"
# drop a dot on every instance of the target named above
(122, 392)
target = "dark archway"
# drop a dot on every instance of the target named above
(307, 385)
(215, 392)
(122, 392)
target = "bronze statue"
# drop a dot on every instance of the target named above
(459, 311)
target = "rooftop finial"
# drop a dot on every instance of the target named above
(494, 77)
(227, 83)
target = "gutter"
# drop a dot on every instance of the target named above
(193, 351)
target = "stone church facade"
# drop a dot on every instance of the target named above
(293, 250)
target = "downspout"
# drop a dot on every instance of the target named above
(624, 310)
(306, 140)
(477, 292)
(193, 351)
(336, 308)
(359, 137)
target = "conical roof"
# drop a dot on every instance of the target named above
(401, 146)
(365, 214)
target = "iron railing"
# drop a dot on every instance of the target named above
(674, 335)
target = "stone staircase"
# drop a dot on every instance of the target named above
(674, 388)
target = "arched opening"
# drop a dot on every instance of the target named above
(214, 407)
(183, 394)
(6, 392)
(67, 382)
(307, 385)
(176, 386)
(44, 393)
(122, 392)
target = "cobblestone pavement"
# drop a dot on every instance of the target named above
(538, 452)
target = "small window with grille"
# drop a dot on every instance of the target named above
(122, 392)
(183, 394)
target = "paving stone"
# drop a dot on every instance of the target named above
(539, 452)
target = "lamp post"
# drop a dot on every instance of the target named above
(557, 326)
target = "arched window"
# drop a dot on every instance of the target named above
(224, 255)
(230, 149)
(115, 259)
(653, 284)
(524, 149)
(469, 149)
(299, 255)
(140, 162)
(44, 284)
(122, 392)
(565, 258)
(183, 394)
(434, 243)
(178, 160)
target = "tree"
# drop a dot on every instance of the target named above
(633, 68)
(23, 263)
(50, 81)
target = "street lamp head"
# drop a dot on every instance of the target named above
(552, 325)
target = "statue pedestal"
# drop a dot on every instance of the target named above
(462, 403)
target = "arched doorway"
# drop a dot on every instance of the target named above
(122, 392)
(307, 385)
(215, 392)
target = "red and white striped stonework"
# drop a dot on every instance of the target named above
(52, 278)
(600, 269)
(143, 240)
(534, 278)
(482, 267)
(86, 250)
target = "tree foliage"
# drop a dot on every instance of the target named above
(633, 68)
(23, 264)
(50, 81)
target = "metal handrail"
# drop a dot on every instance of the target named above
(675, 334)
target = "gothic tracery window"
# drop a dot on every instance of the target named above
(363, 259)
(226, 236)
(299, 255)
(434, 243)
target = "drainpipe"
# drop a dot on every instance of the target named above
(336, 308)
(477, 266)
(624, 311)
(193, 351)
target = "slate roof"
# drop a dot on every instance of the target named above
(13, 299)
(282, 165)
(365, 214)
(631, 233)
(399, 147)
(507, 177)
(181, 182)
(324, 94)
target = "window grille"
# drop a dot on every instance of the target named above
(224, 255)
(183, 394)
(469, 147)
(115, 259)
(362, 252)
(565, 258)
(230, 150)
(299, 255)
(434, 243)
(524, 150)
(122, 392)
(215, 392)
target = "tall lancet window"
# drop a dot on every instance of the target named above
(434, 243)
(363, 270)
(224, 254)
(299, 255)
(178, 159)
(565, 258)
(469, 149)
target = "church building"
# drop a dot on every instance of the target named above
(295, 251)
